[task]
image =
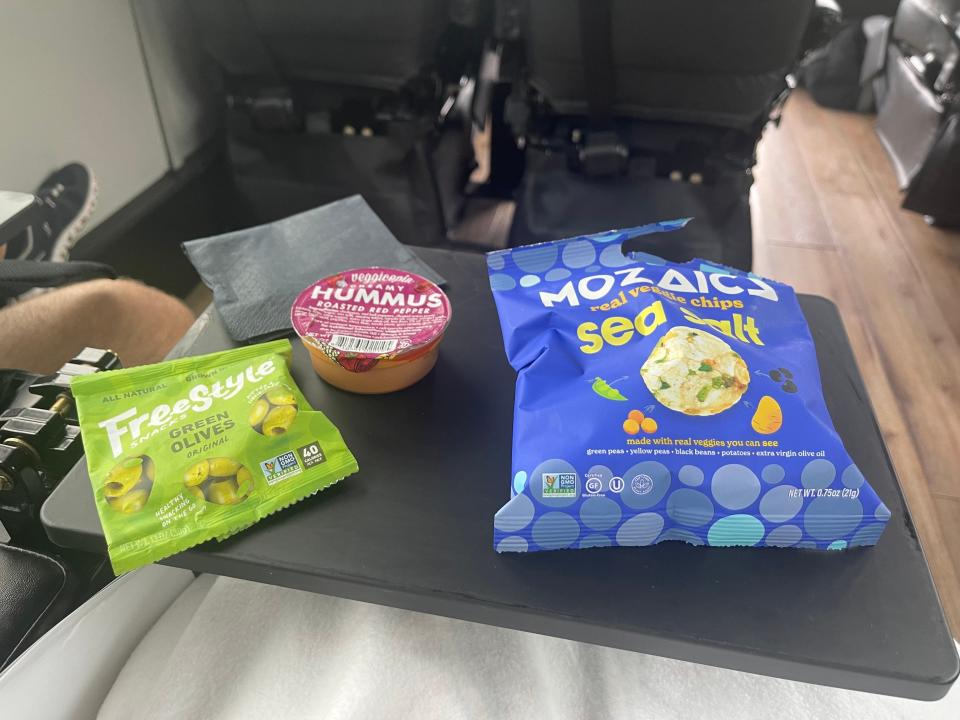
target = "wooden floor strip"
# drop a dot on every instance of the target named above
(934, 252)
(893, 278)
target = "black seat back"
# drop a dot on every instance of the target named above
(657, 106)
(331, 99)
(715, 63)
(360, 43)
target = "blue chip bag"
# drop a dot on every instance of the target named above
(659, 401)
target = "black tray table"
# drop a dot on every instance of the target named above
(413, 529)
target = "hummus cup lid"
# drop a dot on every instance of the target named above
(361, 316)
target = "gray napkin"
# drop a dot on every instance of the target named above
(256, 274)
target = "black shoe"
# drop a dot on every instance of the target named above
(65, 200)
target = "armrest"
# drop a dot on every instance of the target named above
(85, 652)
(19, 276)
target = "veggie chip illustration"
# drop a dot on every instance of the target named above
(768, 418)
(658, 401)
(694, 372)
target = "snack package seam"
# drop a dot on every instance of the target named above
(135, 557)
(346, 468)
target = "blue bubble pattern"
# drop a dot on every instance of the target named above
(595, 540)
(773, 473)
(502, 282)
(513, 543)
(641, 529)
(818, 474)
(780, 504)
(515, 515)
(600, 513)
(519, 481)
(689, 507)
(735, 486)
(784, 536)
(555, 530)
(691, 475)
(539, 258)
(578, 254)
(557, 274)
(736, 530)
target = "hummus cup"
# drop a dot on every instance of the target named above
(372, 330)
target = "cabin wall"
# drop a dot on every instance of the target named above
(186, 83)
(73, 86)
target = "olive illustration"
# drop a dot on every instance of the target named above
(149, 469)
(113, 489)
(133, 501)
(281, 396)
(218, 480)
(196, 473)
(128, 484)
(279, 420)
(125, 474)
(244, 481)
(258, 412)
(223, 492)
(223, 467)
(274, 412)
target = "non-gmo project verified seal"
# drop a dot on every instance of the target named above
(559, 485)
(280, 468)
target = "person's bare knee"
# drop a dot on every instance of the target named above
(141, 324)
(144, 323)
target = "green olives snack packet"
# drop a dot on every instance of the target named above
(201, 447)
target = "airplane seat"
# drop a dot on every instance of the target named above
(358, 44)
(325, 100)
(68, 672)
(637, 111)
(37, 591)
(717, 64)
